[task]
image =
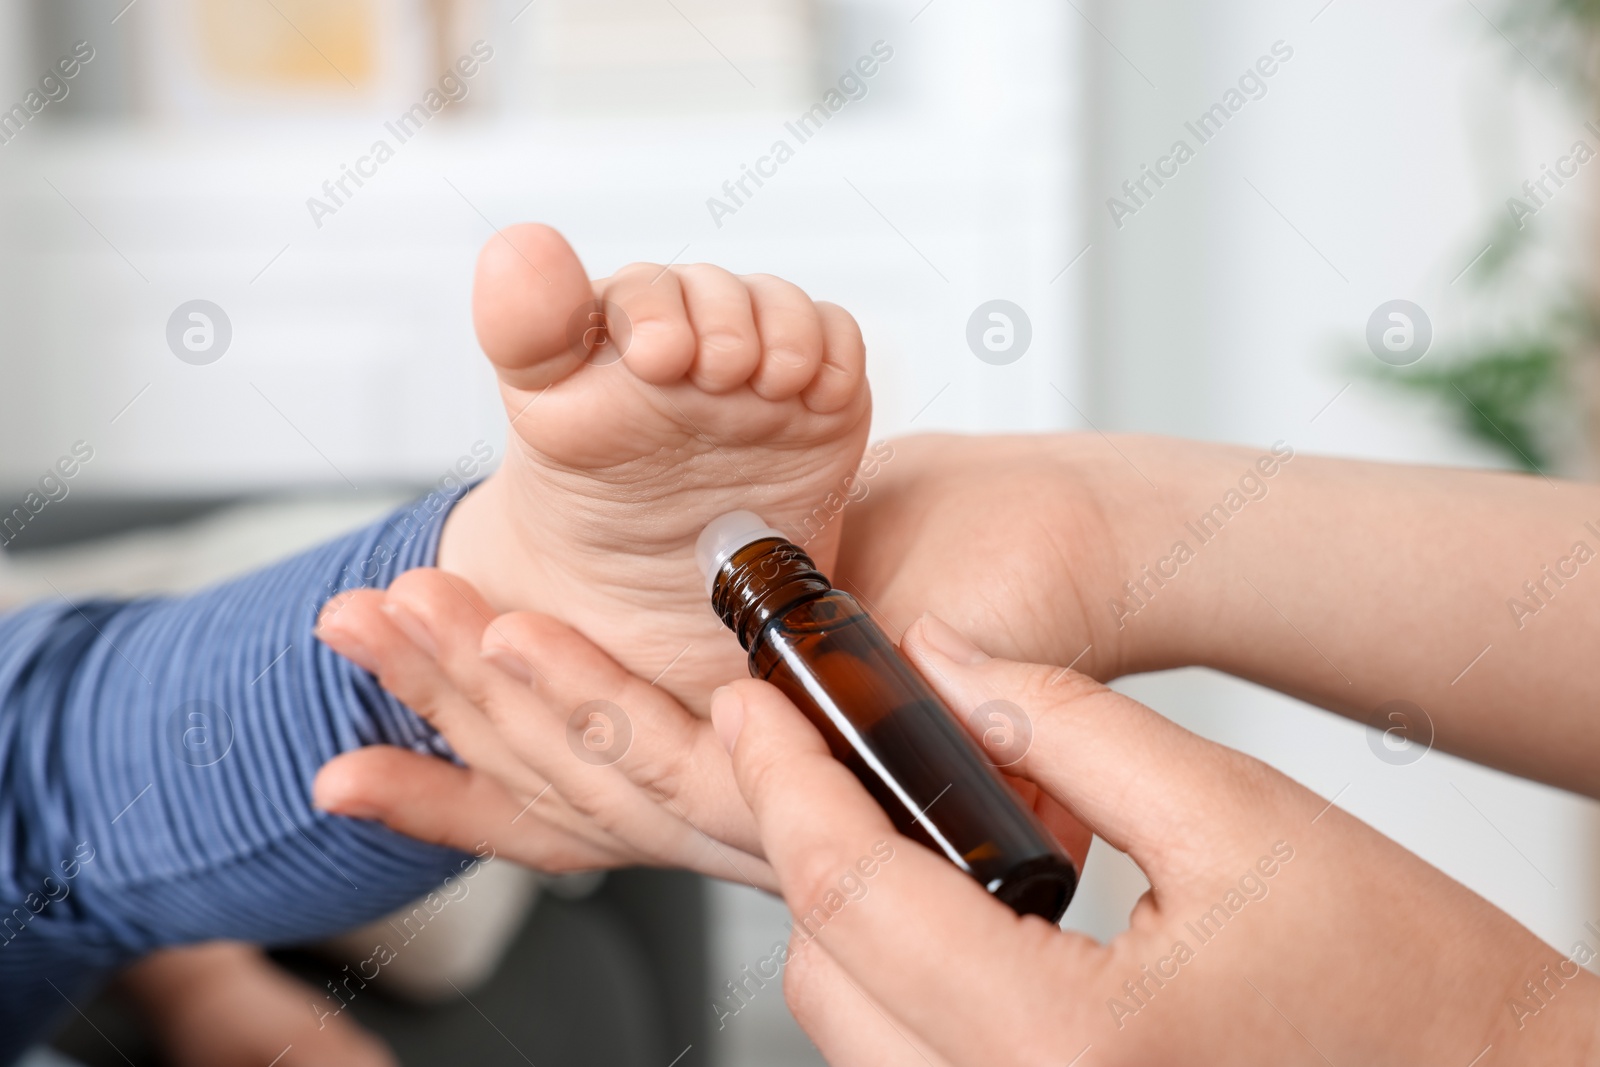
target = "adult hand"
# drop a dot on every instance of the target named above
(1143, 553)
(1019, 540)
(572, 763)
(1278, 929)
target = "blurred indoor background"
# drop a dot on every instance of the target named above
(198, 155)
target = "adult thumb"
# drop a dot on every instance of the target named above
(1145, 784)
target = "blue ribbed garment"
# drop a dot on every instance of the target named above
(156, 759)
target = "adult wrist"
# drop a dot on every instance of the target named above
(1180, 515)
(1026, 542)
(1550, 1012)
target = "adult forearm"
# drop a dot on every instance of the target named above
(1473, 596)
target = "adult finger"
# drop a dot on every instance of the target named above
(395, 646)
(432, 800)
(847, 1026)
(658, 745)
(1167, 797)
(554, 703)
(424, 635)
(620, 749)
(913, 932)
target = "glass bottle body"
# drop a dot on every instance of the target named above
(883, 721)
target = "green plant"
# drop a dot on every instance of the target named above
(1516, 389)
(1500, 393)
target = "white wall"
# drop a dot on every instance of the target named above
(359, 333)
(1390, 141)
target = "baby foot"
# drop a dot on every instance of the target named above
(642, 406)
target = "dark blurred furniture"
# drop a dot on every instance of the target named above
(617, 979)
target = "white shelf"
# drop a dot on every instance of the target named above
(358, 332)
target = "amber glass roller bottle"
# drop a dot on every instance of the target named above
(880, 718)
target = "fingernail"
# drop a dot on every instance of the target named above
(353, 808)
(511, 663)
(949, 642)
(727, 716)
(332, 607)
(352, 650)
(412, 627)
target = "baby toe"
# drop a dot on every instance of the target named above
(728, 348)
(791, 337)
(528, 284)
(660, 345)
(842, 377)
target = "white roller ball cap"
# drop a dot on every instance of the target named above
(726, 535)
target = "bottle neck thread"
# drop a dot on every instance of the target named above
(760, 581)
